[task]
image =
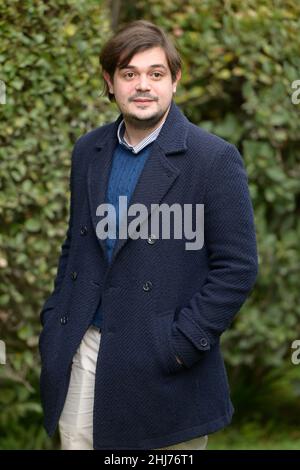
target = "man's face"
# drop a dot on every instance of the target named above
(144, 89)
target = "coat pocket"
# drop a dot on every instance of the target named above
(166, 351)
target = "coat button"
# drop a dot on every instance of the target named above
(203, 342)
(64, 319)
(74, 275)
(83, 230)
(147, 286)
(152, 239)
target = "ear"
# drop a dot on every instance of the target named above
(108, 81)
(178, 77)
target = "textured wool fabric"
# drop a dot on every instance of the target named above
(158, 297)
(125, 171)
(76, 420)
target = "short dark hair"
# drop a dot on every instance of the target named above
(133, 37)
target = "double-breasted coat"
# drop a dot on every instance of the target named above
(159, 299)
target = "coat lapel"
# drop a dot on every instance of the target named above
(158, 174)
(98, 173)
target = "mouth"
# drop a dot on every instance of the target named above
(142, 100)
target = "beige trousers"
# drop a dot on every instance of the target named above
(76, 420)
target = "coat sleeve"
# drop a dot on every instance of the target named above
(64, 250)
(229, 237)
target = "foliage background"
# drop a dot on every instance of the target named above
(239, 60)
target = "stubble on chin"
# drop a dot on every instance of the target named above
(143, 123)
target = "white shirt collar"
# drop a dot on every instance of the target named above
(138, 147)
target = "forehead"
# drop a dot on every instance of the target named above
(149, 58)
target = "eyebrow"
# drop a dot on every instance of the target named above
(150, 66)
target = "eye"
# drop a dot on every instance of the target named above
(126, 75)
(157, 74)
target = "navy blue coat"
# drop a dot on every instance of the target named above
(158, 298)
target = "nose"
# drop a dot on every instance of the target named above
(143, 83)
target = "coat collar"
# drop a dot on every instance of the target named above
(158, 174)
(171, 139)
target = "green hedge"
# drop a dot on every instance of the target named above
(49, 62)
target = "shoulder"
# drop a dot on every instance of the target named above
(210, 150)
(200, 140)
(92, 137)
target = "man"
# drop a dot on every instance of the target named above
(130, 342)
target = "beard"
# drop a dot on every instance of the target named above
(146, 122)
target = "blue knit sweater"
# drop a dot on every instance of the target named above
(125, 171)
